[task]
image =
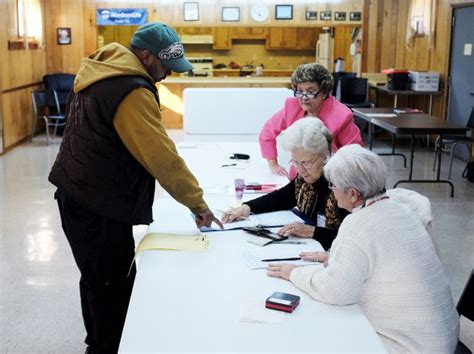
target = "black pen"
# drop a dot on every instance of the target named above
(229, 165)
(281, 259)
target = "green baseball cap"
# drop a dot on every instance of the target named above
(164, 43)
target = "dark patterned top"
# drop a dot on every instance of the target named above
(311, 199)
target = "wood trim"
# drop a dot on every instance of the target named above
(18, 88)
(11, 147)
(462, 5)
(365, 36)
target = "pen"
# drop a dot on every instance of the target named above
(281, 259)
(293, 242)
(229, 165)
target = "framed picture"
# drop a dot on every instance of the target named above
(355, 16)
(325, 15)
(191, 11)
(63, 35)
(230, 14)
(311, 15)
(339, 16)
(283, 12)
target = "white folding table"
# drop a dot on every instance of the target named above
(192, 302)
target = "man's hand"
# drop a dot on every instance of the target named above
(206, 218)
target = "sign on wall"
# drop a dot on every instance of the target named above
(121, 17)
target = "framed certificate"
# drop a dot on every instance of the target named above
(230, 14)
(283, 12)
(311, 15)
(339, 16)
(191, 11)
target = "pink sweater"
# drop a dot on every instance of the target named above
(336, 116)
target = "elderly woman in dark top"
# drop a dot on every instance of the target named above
(309, 142)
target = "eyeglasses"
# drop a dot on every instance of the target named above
(305, 164)
(308, 95)
(332, 186)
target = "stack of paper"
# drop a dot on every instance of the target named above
(253, 258)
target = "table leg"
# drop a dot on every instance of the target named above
(371, 135)
(412, 156)
(438, 172)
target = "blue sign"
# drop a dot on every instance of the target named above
(121, 17)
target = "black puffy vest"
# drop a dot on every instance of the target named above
(93, 166)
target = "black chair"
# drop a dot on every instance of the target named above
(454, 140)
(46, 106)
(465, 308)
(62, 84)
(354, 92)
(337, 77)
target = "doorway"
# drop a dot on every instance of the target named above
(461, 70)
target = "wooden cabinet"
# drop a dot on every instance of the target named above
(295, 38)
(222, 38)
(282, 38)
(249, 33)
(306, 38)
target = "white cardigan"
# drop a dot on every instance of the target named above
(384, 259)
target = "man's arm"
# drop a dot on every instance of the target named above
(138, 123)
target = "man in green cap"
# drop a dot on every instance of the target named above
(114, 148)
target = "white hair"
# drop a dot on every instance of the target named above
(309, 134)
(355, 167)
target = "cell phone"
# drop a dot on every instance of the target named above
(264, 233)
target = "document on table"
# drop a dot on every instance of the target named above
(159, 241)
(253, 258)
(381, 115)
(273, 219)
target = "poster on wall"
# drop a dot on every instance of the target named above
(121, 17)
(63, 35)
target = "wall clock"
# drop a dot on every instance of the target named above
(259, 12)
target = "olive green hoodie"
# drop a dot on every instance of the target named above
(138, 123)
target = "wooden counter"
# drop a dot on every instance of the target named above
(171, 92)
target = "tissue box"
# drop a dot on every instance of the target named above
(424, 80)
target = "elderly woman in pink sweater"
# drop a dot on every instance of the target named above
(312, 85)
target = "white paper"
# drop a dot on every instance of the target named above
(254, 311)
(381, 115)
(253, 258)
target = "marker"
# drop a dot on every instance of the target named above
(281, 259)
(229, 165)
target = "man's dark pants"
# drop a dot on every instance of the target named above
(103, 250)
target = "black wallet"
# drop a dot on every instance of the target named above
(259, 231)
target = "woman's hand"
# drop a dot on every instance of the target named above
(240, 213)
(297, 229)
(321, 257)
(276, 169)
(280, 270)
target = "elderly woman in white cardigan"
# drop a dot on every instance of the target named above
(383, 259)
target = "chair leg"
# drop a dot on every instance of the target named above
(47, 129)
(437, 145)
(34, 128)
(55, 130)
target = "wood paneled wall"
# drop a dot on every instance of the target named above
(21, 71)
(384, 43)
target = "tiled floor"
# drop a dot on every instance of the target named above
(39, 295)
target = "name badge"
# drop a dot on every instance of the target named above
(321, 220)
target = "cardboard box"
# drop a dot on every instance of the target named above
(424, 80)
